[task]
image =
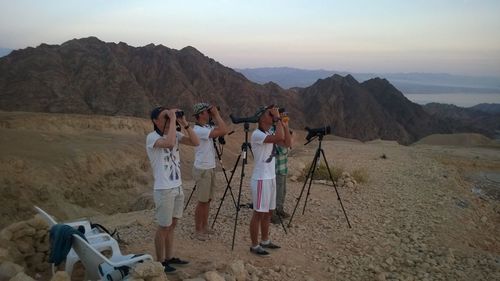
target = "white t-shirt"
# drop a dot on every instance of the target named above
(261, 151)
(165, 162)
(205, 152)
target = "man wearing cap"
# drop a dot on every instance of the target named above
(263, 182)
(204, 162)
(162, 146)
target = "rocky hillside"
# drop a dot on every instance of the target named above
(466, 119)
(93, 77)
(487, 107)
(372, 109)
(89, 76)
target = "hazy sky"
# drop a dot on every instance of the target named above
(453, 36)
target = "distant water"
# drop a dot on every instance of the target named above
(463, 100)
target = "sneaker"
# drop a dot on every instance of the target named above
(176, 261)
(210, 232)
(167, 268)
(200, 236)
(259, 251)
(269, 245)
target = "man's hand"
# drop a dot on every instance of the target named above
(182, 121)
(274, 111)
(213, 111)
(170, 114)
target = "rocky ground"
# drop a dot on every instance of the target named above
(414, 219)
(421, 212)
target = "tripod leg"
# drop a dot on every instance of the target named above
(314, 164)
(225, 191)
(230, 189)
(335, 186)
(281, 221)
(239, 198)
(308, 177)
(189, 199)
(224, 171)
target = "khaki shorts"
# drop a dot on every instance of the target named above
(169, 203)
(205, 184)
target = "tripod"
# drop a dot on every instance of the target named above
(310, 176)
(244, 151)
(219, 154)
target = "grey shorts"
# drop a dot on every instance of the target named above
(169, 204)
(205, 183)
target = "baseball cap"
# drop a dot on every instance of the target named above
(156, 112)
(200, 107)
(262, 109)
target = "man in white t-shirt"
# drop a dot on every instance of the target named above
(263, 182)
(162, 146)
(204, 163)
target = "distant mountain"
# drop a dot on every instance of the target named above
(5, 51)
(89, 76)
(409, 83)
(487, 107)
(372, 109)
(466, 119)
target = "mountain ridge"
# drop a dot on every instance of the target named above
(89, 76)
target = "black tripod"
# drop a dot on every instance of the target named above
(219, 154)
(244, 152)
(310, 176)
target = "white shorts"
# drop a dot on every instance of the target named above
(264, 195)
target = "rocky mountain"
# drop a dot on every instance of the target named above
(487, 107)
(372, 109)
(89, 76)
(470, 119)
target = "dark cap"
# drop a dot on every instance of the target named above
(262, 109)
(156, 112)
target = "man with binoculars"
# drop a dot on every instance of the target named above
(162, 147)
(263, 182)
(204, 163)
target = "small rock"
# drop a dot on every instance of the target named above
(213, 276)
(237, 269)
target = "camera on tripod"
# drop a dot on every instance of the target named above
(251, 119)
(311, 133)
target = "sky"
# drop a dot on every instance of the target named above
(384, 36)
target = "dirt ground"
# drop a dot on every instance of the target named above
(416, 218)
(422, 213)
